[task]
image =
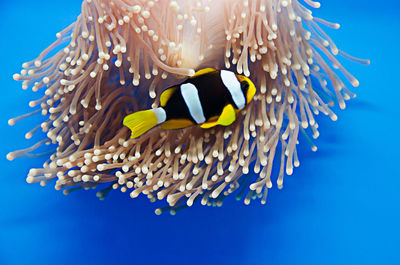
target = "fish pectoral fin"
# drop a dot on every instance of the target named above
(166, 95)
(228, 115)
(176, 124)
(203, 72)
(140, 122)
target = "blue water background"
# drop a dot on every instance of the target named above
(341, 206)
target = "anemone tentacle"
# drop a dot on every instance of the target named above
(119, 55)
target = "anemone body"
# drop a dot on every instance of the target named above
(119, 55)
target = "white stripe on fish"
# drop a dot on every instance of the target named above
(191, 96)
(233, 85)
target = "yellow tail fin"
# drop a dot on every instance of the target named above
(142, 121)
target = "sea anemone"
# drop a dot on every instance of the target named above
(119, 56)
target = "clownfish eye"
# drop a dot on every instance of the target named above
(244, 86)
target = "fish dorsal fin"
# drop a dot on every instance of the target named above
(203, 72)
(140, 122)
(166, 95)
(228, 115)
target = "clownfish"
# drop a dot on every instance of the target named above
(208, 98)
